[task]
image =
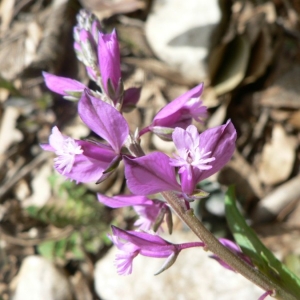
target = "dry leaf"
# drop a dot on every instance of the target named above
(261, 56)
(284, 92)
(6, 14)
(32, 41)
(240, 173)
(104, 9)
(270, 206)
(234, 65)
(278, 157)
(294, 120)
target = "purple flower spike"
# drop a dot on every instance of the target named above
(71, 89)
(132, 243)
(104, 120)
(86, 40)
(149, 211)
(109, 60)
(150, 174)
(79, 160)
(178, 113)
(201, 155)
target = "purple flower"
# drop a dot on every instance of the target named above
(178, 113)
(109, 63)
(233, 247)
(85, 161)
(71, 89)
(151, 212)
(100, 54)
(79, 160)
(190, 155)
(132, 243)
(201, 155)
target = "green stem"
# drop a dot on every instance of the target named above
(212, 244)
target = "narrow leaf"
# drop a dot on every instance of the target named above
(260, 255)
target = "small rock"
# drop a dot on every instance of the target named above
(9, 134)
(40, 187)
(194, 276)
(39, 279)
(179, 32)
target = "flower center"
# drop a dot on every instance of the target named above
(66, 155)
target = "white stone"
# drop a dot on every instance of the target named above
(179, 32)
(40, 186)
(194, 276)
(39, 279)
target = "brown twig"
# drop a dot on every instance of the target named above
(10, 182)
(28, 242)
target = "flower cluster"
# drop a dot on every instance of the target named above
(199, 155)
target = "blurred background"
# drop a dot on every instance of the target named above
(53, 242)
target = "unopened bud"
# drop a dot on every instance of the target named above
(165, 133)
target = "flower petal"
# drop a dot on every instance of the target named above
(61, 85)
(221, 142)
(89, 166)
(175, 113)
(150, 174)
(141, 239)
(104, 120)
(109, 59)
(122, 200)
(131, 97)
(123, 262)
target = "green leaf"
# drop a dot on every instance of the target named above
(46, 249)
(260, 255)
(9, 86)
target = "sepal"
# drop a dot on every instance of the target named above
(168, 263)
(165, 133)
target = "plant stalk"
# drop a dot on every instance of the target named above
(212, 244)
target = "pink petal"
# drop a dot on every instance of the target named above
(60, 85)
(56, 138)
(104, 120)
(140, 239)
(188, 181)
(122, 200)
(131, 97)
(47, 147)
(221, 142)
(172, 113)
(89, 166)
(109, 59)
(123, 262)
(150, 174)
